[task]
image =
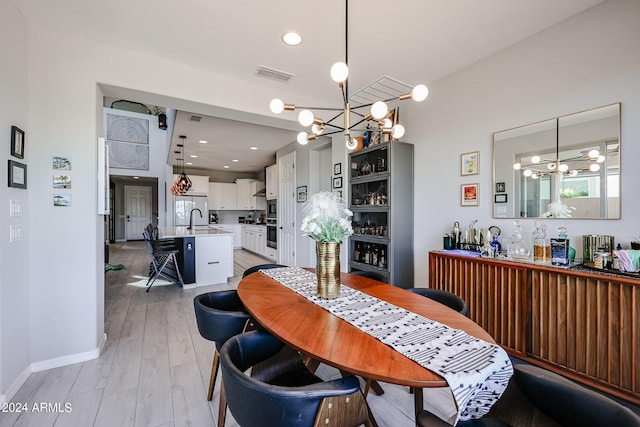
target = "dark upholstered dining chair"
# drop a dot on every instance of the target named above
(264, 400)
(255, 268)
(452, 301)
(569, 403)
(220, 315)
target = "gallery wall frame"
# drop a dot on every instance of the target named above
(17, 142)
(470, 163)
(470, 194)
(17, 174)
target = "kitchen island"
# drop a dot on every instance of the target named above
(206, 254)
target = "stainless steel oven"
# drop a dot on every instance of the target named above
(272, 233)
(272, 209)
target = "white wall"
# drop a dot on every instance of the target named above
(14, 265)
(587, 61)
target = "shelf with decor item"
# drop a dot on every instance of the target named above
(381, 198)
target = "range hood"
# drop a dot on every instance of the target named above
(261, 193)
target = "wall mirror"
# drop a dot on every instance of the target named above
(566, 167)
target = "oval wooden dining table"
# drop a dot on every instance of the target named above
(317, 333)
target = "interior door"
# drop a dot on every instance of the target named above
(287, 210)
(137, 210)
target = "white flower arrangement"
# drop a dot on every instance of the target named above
(326, 218)
(558, 210)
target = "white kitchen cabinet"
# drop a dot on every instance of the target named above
(244, 196)
(214, 259)
(246, 199)
(223, 196)
(254, 238)
(272, 179)
(272, 254)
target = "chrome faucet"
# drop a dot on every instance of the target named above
(191, 217)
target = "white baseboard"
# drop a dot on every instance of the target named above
(70, 359)
(15, 386)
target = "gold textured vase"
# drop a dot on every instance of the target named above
(328, 269)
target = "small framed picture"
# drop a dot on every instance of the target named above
(500, 187)
(17, 142)
(337, 182)
(469, 194)
(337, 169)
(338, 193)
(470, 163)
(500, 198)
(61, 163)
(62, 181)
(63, 200)
(17, 175)
(302, 194)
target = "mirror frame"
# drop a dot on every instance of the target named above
(510, 191)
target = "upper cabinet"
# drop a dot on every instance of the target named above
(247, 188)
(272, 182)
(223, 196)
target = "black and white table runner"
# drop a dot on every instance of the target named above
(477, 372)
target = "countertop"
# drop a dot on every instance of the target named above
(197, 231)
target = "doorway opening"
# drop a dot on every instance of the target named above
(134, 204)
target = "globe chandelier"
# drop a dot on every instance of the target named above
(379, 111)
(537, 166)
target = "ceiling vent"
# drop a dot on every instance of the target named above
(194, 118)
(384, 88)
(270, 73)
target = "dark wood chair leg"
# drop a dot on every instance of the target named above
(214, 371)
(222, 409)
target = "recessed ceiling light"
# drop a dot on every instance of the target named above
(189, 163)
(226, 167)
(193, 156)
(235, 160)
(292, 39)
(253, 148)
(202, 141)
(136, 177)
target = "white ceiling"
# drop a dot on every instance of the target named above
(414, 41)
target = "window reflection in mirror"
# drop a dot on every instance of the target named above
(568, 167)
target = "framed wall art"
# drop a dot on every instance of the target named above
(17, 175)
(61, 163)
(302, 194)
(470, 163)
(337, 182)
(337, 169)
(17, 142)
(501, 198)
(469, 194)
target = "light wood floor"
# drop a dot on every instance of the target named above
(155, 367)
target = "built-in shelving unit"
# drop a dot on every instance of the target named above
(381, 198)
